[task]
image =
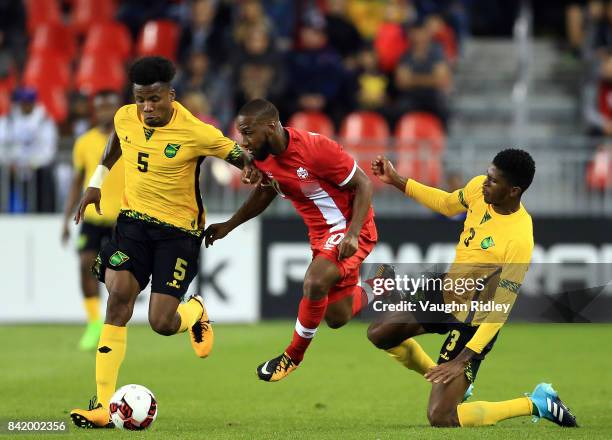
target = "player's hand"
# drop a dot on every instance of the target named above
(384, 170)
(250, 175)
(446, 372)
(216, 231)
(348, 246)
(65, 233)
(92, 195)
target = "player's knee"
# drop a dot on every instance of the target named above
(377, 336)
(162, 325)
(315, 287)
(336, 321)
(441, 416)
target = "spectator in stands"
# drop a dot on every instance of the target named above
(317, 75)
(204, 33)
(282, 14)
(135, 13)
(249, 15)
(200, 76)
(372, 83)
(342, 33)
(423, 77)
(390, 41)
(602, 40)
(367, 15)
(259, 70)
(196, 102)
(28, 141)
(598, 101)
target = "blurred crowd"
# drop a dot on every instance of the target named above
(330, 56)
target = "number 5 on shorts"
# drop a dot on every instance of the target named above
(180, 269)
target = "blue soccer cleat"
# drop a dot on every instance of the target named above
(550, 407)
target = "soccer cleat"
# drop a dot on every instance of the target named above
(550, 407)
(201, 332)
(95, 417)
(468, 392)
(91, 336)
(276, 369)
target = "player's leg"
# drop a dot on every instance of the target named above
(444, 400)
(395, 334)
(321, 275)
(89, 244)
(175, 265)
(91, 301)
(123, 288)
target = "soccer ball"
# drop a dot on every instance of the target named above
(133, 407)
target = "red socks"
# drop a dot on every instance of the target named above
(310, 314)
(360, 299)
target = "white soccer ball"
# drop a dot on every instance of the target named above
(133, 407)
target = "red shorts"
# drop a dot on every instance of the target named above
(349, 267)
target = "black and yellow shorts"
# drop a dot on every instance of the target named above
(459, 334)
(148, 250)
(93, 237)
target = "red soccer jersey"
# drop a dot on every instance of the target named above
(312, 173)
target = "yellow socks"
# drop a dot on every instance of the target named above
(109, 356)
(189, 312)
(410, 354)
(489, 413)
(92, 308)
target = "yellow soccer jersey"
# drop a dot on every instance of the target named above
(86, 155)
(162, 165)
(488, 240)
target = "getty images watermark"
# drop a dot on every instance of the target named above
(477, 293)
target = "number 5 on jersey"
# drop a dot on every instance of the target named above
(143, 165)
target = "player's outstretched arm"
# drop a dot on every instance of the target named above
(111, 155)
(445, 203)
(259, 199)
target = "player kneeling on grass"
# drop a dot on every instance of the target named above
(498, 232)
(160, 227)
(333, 197)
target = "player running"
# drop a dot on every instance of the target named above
(160, 227)
(333, 197)
(96, 229)
(497, 231)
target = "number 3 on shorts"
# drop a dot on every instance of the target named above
(180, 269)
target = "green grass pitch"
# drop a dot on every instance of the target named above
(345, 388)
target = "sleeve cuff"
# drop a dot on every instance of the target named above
(350, 176)
(407, 188)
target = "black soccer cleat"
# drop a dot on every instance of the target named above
(276, 369)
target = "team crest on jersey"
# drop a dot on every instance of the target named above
(148, 132)
(118, 258)
(487, 242)
(302, 173)
(171, 150)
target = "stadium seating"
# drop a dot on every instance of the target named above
(5, 102)
(365, 135)
(86, 13)
(53, 40)
(316, 122)
(97, 73)
(54, 100)
(46, 70)
(159, 37)
(420, 143)
(111, 37)
(41, 12)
